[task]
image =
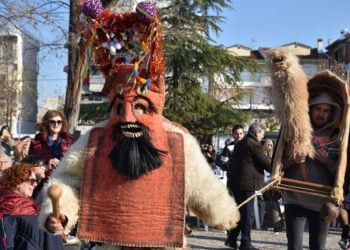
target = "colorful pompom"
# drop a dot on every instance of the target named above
(92, 8)
(146, 11)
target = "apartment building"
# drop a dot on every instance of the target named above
(18, 77)
(257, 86)
(339, 55)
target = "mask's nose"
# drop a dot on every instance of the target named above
(128, 115)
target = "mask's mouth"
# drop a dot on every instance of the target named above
(131, 130)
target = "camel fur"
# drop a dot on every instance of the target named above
(290, 98)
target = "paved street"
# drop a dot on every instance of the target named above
(262, 239)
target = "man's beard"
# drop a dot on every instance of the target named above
(134, 155)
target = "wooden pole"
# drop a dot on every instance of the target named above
(272, 182)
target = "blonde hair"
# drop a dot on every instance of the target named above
(269, 151)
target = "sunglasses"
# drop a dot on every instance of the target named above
(32, 182)
(42, 165)
(53, 122)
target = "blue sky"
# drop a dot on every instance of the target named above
(270, 23)
(253, 23)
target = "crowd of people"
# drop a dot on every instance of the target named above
(25, 167)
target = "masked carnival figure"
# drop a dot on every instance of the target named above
(127, 182)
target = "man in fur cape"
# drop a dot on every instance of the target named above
(128, 181)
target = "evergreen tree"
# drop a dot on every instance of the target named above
(194, 61)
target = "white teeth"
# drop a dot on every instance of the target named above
(127, 134)
(130, 134)
(129, 126)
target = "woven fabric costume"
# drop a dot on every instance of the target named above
(128, 180)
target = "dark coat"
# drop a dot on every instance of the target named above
(23, 233)
(21, 224)
(248, 164)
(40, 146)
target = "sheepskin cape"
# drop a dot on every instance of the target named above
(147, 212)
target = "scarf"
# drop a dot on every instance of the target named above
(12, 203)
(55, 146)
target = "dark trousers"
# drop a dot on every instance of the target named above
(296, 218)
(346, 228)
(247, 216)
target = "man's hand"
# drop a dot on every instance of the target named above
(322, 155)
(56, 225)
(53, 163)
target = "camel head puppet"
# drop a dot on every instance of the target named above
(130, 56)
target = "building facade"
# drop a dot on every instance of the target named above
(257, 86)
(18, 77)
(339, 55)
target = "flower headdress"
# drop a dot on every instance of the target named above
(127, 45)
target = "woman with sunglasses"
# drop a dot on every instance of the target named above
(52, 141)
(21, 212)
(39, 166)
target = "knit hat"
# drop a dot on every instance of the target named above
(324, 97)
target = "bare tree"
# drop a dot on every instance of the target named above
(44, 22)
(45, 19)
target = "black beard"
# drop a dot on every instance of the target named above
(135, 156)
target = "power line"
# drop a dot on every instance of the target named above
(44, 80)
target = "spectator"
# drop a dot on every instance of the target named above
(53, 141)
(299, 208)
(22, 148)
(210, 154)
(273, 214)
(247, 174)
(6, 140)
(268, 147)
(20, 211)
(238, 134)
(40, 168)
(5, 162)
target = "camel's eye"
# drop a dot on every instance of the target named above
(278, 59)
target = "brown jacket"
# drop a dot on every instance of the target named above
(248, 164)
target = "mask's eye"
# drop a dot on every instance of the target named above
(120, 109)
(139, 109)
